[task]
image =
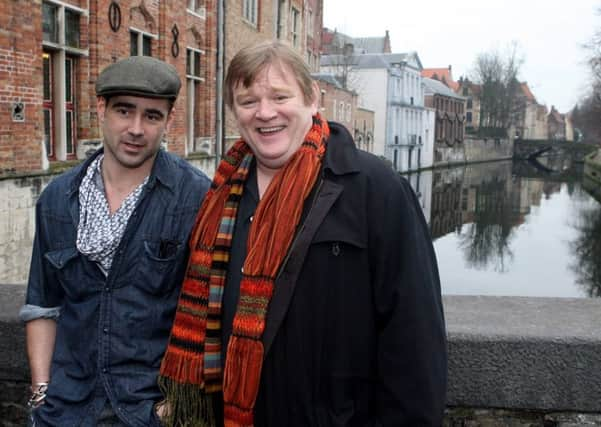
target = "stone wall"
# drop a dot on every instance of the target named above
(473, 150)
(518, 362)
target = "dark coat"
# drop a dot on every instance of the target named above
(355, 333)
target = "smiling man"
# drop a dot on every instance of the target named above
(108, 259)
(312, 296)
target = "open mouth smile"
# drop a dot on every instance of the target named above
(270, 130)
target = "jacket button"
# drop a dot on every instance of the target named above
(105, 330)
(335, 249)
(105, 370)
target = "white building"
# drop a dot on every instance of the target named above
(391, 85)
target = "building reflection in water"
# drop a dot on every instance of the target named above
(484, 205)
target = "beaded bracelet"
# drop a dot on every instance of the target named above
(38, 395)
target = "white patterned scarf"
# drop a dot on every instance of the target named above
(99, 233)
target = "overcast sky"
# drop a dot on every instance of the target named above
(549, 33)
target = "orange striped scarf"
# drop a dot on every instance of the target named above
(191, 368)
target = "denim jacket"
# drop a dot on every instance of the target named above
(112, 330)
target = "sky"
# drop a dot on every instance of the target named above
(550, 35)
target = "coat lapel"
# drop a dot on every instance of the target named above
(286, 281)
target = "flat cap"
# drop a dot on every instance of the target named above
(139, 76)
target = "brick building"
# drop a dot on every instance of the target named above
(51, 55)
(449, 127)
(50, 58)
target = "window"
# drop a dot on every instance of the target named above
(60, 25)
(310, 23)
(468, 117)
(465, 91)
(341, 111)
(61, 40)
(50, 22)
(348, 113)
(193, 63)
(197, 7)
(194, 117)
(71, 28)
(250, 11)
(295, 26)
(47, 104)
(140, 43)
(469, 103)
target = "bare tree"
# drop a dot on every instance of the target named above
(342, 64)
(585, 115)
(497, 74)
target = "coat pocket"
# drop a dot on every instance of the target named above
(157, 264)
(67, 268)
(347, 402)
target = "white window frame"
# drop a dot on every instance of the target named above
(295, 26)
(58, 51)
(195, 9)
(140, 40)
(192, 81)
(250, 11)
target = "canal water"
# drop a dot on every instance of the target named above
(514, 229)
(501, 228)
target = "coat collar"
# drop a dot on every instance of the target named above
(341, 154)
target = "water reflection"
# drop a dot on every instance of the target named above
(509, 228)
(587, 245)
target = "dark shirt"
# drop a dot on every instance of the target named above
(112, 331)
(231, 292)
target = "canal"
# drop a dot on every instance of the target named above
(514, 229)
(502, 228)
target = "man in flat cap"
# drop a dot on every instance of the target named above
(108, 259)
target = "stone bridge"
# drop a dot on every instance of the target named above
(531, 148)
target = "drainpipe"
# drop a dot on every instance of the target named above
(219, 104)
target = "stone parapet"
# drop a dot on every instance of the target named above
(513, 361)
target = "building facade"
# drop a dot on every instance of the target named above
(363, 124)
(391, 86)
(50, 58)
(450, 113)
(336, 103)
(556, 125)
(471, 92)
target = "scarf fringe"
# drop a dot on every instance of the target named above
(187, 405)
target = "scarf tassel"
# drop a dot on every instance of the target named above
(241, 380)
(187, 405)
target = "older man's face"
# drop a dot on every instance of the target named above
(272, 115)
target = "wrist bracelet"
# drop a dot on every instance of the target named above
(38, 394)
